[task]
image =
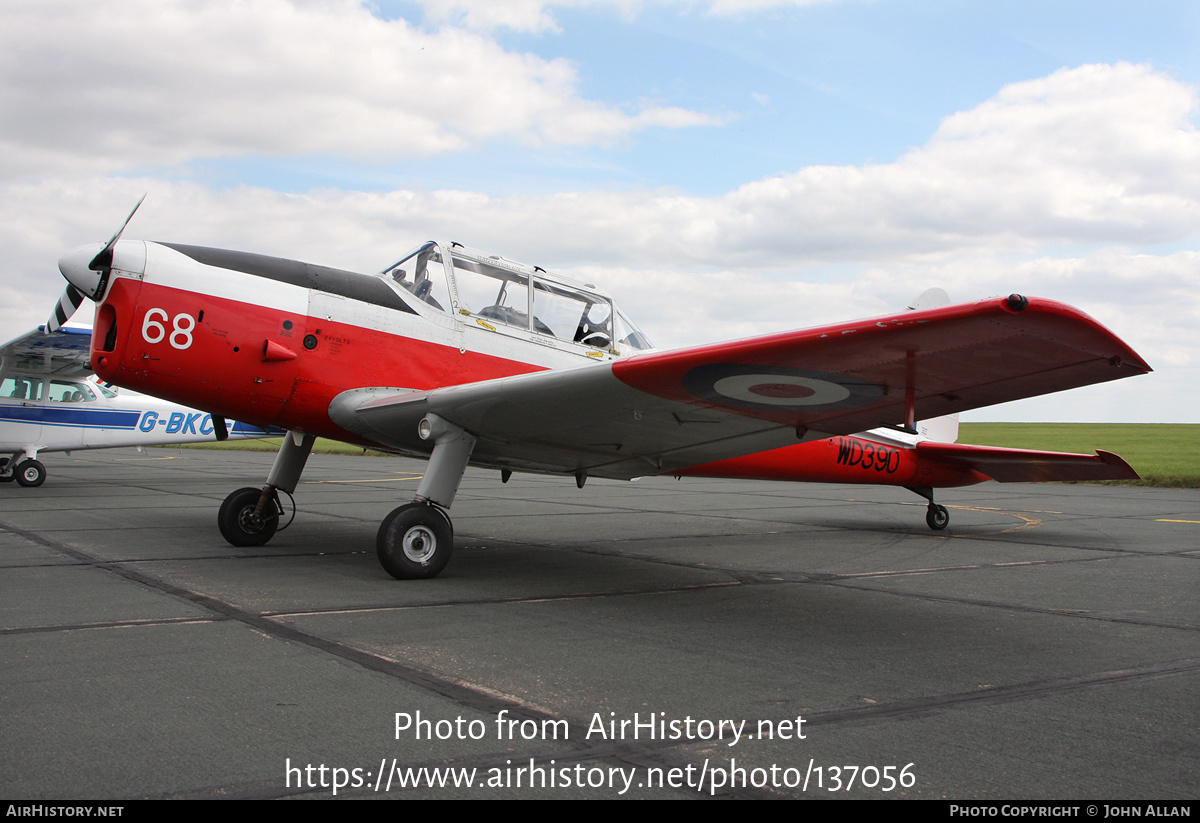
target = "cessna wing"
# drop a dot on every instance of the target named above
(64, 353)
(662, 412)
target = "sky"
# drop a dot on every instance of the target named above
(724, 168)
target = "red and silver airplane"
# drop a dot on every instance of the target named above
(465, 358)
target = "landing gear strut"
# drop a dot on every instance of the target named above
(415, 541)
(936, 516)
(250, 516)
(28, 470)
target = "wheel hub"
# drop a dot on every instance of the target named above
(419, 544)
(250, 523)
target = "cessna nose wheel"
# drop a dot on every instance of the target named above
(31, 473)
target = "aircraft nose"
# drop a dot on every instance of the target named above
(74, 266)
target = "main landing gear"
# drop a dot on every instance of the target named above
(29, 472)
(249, 516)
(244, 522)
(414, 542)
(936, 516)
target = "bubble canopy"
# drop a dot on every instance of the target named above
(466, 283)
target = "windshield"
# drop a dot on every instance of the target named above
(423, 275)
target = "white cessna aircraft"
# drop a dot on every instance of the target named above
(48, 403)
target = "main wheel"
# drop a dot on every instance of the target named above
(415, 542)
(5, 478)
(937, 517)
(238, 523)
(31, 473)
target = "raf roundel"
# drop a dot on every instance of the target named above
(778, 388)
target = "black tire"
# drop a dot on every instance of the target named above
(937, 517)
(415, 542)
(30, 473)
(6, 478)
(238, 524)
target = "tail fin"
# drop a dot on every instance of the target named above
(930, 299)
(940, 429)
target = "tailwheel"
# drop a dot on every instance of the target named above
(937, 517)
(240, 525)
(415, 542)
(31, 473)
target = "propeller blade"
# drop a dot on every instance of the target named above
(66, 306)
(84, 278)
(103, 260)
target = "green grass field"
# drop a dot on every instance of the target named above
(271, 444)
(1164, 454)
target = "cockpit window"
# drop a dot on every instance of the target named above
(423, 275)
(495, 292)
(572, 314)
(496, 289)
(500, 293)
(21, 388)
(628, 334)
(62, 391)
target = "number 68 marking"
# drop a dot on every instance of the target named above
(181, 329)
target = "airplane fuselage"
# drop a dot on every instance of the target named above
(175, 323)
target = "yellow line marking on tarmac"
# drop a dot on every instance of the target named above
(1168, 520)
(372, 479)
(981, 508)
(1031, 522)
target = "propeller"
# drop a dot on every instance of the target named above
(64, 308)
(87, 273)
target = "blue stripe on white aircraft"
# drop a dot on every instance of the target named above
(49, 401)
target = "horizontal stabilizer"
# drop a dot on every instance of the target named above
(1027, 466)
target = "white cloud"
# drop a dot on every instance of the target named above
(100, 88)
(1100, 160)
(1100, 154)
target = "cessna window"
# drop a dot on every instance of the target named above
(63, 392)
(423, 274)
(21, 388)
